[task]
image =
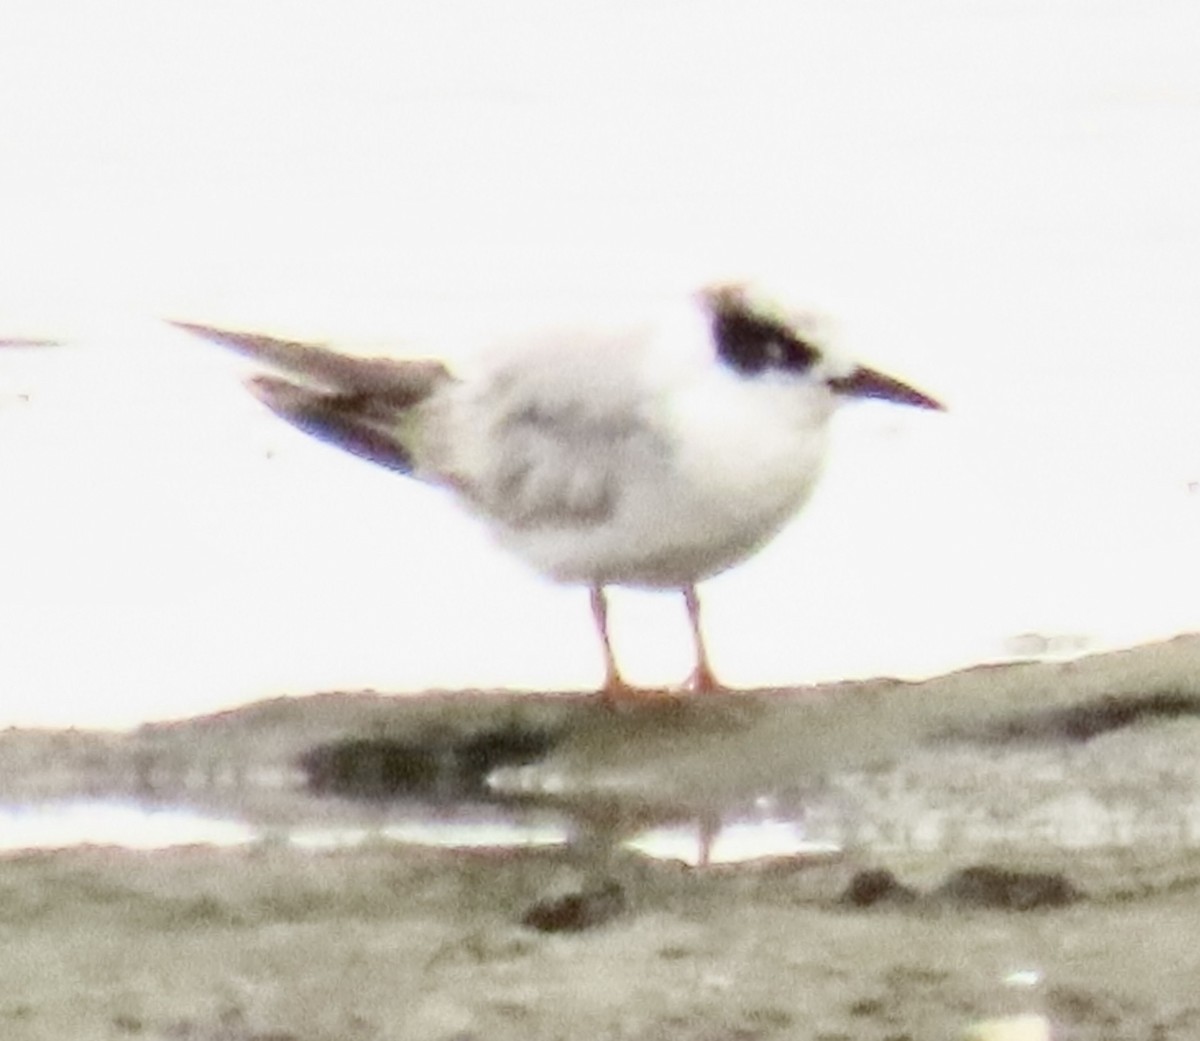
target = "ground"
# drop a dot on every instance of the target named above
(235, 945)
(1080, 770)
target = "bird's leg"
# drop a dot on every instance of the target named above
(614, 687)
(703, 679)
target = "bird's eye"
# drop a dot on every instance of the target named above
(775, 353)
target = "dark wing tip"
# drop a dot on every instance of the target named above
(338, 419)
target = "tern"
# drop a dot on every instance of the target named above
(653, 456)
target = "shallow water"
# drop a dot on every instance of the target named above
(113, 822)
(139, 825)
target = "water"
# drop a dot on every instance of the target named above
(111, 822)
(1075, 821)
(151, 826)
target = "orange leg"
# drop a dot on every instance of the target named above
(614, 686)
(702, 680)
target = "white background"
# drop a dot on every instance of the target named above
(996, 199)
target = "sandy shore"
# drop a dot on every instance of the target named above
(1083, 770)
(387, 943)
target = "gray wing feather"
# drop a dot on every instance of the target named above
(359, 404)
(396, 382)
(560, 466)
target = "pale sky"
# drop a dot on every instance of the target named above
(996, 201)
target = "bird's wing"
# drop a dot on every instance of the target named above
(392, 381)
(359, 404)
(353, 422)
(559, 465)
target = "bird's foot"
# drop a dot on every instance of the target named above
(617, 692)
(704, 681)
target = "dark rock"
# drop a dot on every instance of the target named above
(577, 911)
(986, 885)
(875, 887)
(371, 768)
(438, 767)
(1083, 721)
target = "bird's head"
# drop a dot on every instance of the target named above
(757, 339)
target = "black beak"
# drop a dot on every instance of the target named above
(867, 383)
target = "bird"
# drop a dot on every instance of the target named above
(652, 456)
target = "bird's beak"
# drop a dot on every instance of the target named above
(867, 383)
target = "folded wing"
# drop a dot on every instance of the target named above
(359, 404)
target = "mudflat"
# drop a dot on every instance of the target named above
(1079, 779)
(377, 943)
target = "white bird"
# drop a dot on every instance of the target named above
(653, 457)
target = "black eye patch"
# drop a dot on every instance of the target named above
(750, 343)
